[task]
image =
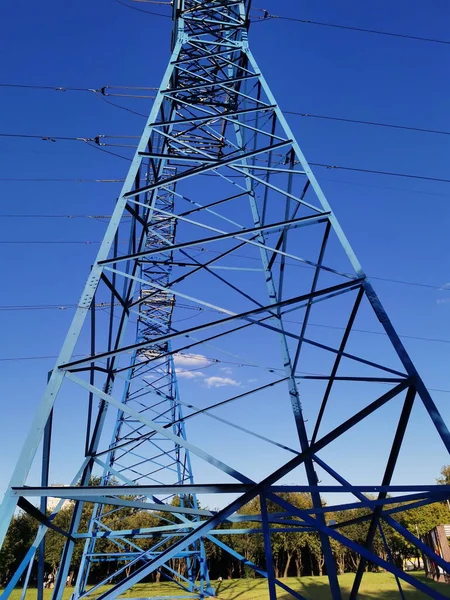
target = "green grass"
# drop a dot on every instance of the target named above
(375, 586)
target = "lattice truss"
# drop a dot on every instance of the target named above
(221, 217)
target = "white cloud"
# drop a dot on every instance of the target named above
(191, 360)
(189, 374)
(446, 286)
(227, 370)
(213, 382)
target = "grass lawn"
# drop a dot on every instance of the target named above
(375, 586)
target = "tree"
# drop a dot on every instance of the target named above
(445, 476)
(19, 538)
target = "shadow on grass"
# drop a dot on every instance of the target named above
(237, 588)
(318, 589)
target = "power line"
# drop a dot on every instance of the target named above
(54, 180)
(214, 361)
(41, 242)
(101, 217)
(49, 216)
(376, 172)
(302, 266)
(325, 117)
(13, 307)
(384, 187)
(30, 216)
(50, 138)
(361, 122)
(148, 12)
(97, 145)
(64, 307)
(88, 242)
(92, 142)
(100, 92)
(47, 87)
(267, 17)
(134, 112)
(102, 95)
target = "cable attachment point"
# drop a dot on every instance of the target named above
(101, 90)
(97, 139)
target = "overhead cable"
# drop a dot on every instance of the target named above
(148, 12)
(362, 122)
(377, 172)
(103, 95)
(268, 16)
(215, 361)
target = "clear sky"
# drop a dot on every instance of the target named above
(399, 227)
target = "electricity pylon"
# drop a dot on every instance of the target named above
(225, 219)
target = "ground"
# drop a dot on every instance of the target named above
(376, 586)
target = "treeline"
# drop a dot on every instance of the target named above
(294, 554)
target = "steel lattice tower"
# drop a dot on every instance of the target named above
(223, 215)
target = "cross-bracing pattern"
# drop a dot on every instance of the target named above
(134, 457)
(225, 219)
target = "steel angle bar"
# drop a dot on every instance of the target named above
(417, 504)
(275, 188)
(438, 490)
(341, 288)
(353, 357)
(34, 512)
(110, 500)
(206, 526)
(165, 432)
(223, 104)
(364, 552)
(31, 444)
(229, 44)
(387, 477)
(314, 285)
(206, 410)
(407, 499)
(350, 378)
(213, 116)
(251, 564)
(219, 83)
(190, 59)
(307, 220)
(213, 21)
(370, 292)
(128, 482)
(336, 363)
(276, 170)
(417, 542)
(185, 333)
(385, 514)
(282, 225)
(274, 296)
(141, 531)
(257, 130)
(201, 169)
(29, 556)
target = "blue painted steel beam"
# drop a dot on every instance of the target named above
(215, 126)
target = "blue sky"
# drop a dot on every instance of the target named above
(399, 227)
